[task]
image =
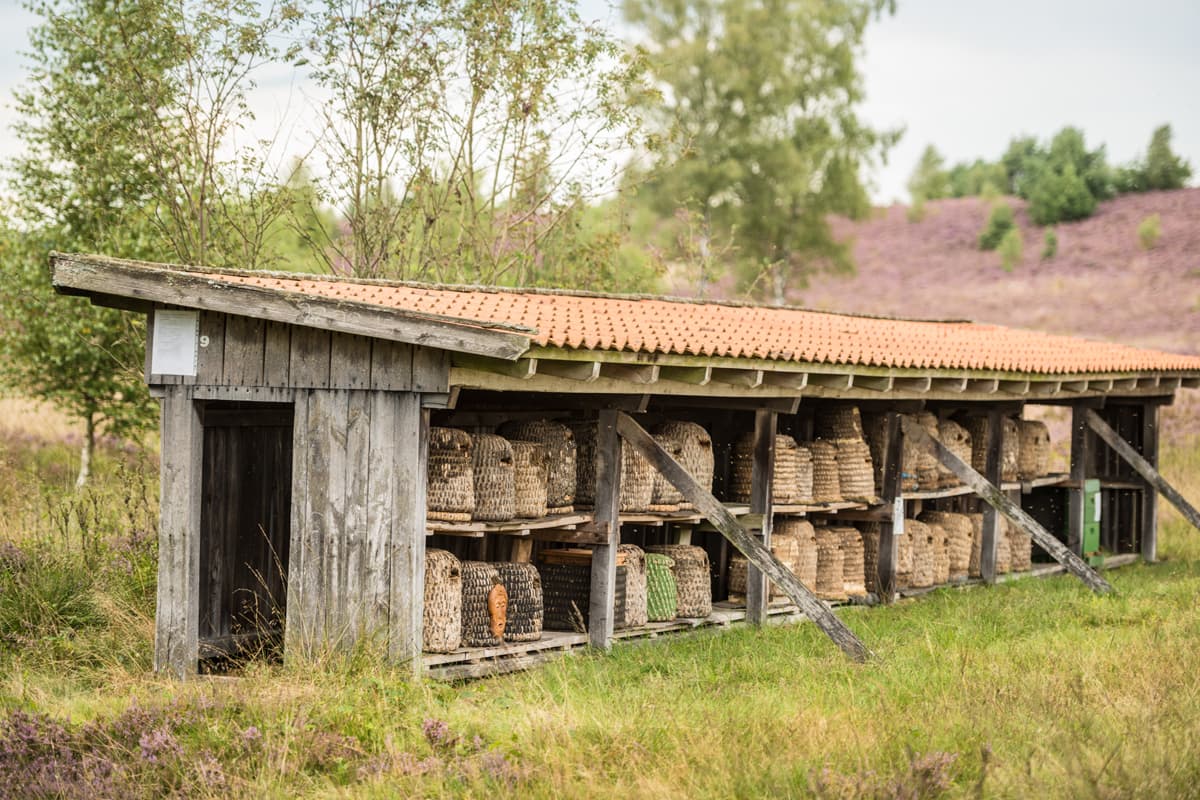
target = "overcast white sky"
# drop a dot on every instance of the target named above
(964, 75)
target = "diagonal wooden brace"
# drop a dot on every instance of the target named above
(739, 537)
(996, 498)
(1143, 467)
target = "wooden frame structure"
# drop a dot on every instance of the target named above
(362, 383)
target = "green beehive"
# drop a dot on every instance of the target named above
(1090, 546)
(661, 600)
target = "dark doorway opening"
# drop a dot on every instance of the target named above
(245, 529)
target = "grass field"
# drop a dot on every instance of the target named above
(1034, 688)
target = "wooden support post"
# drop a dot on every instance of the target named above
(762, 472)
(893, 526)
(996, 498)
(1149, 495)
(177, 616)
(1148, 472)
(602, 601)
(1079, 462)
(747, 544)
(406, 609)
(993, 469)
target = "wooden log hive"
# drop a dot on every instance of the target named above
(495, 487)
(693, 584)
(441, 629)
(1033, 457)
(831, 583)
(559, 442)
(529, 479)
(450, 479)
(525, 610)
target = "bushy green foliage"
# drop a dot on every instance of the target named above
(977, 179)
(1049, 244)
(1160, 169)
(929, 180)
(1149, 231)
(1059, 196)
(1011, 249)
(999, 222)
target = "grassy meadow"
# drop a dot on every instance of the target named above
(1032, 688)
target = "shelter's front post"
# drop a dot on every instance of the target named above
(606, 516)
(406, 605)
(177, 617)
(1075, 494)
(1149, 492)
(892, 525)
(993, 472)
(762, 475)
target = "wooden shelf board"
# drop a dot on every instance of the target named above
(516, 527)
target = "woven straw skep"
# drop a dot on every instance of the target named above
(693, 583)
(450, 479)
(941, 554)
(959, 537)
(1020, 547)
(923, 570)
(870, 532)
(478, 578)
(559, 442)
(853, 561)
(566, 593)
(635, 586)
(826, 477)
(875, 434)
(1033, 456)
(696, 451)
(905, 558)
(529, 479)
(662, 601)
(637, 474)
(666, 497)
(974, 566)
(806, 547)
(1011, 448)
(839, 422)
(928, 477)
(1010, 445)
(958, 441)
(1003, 549)
(441, 629)
(785, 546)
(495, 487)
(831, 564)
(856, 475)
(525, 612)
(792, 478)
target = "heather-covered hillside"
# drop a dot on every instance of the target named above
(1101, 283)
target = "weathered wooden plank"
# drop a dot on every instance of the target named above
(209, 292)
(210, 357)
(893, 526)
(309, 358)
(1143, 468)
(277, 354)
(993, 469)
(601, 622)
(430, 370)
(349, 362)
(762, 475)
(407, 552)
(358, 466)
(747, 544)
(996, 498)
(391, 366)
(177, 616)
(332, 408)
(1079, 472)
(1149, 543)
(381, 489)
(245, 340)
(300, 610)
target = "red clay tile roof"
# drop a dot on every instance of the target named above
(660, 325)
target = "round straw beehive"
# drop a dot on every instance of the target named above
(785, 546)
(495, 487)
(974, 570)
(478, 578)
(831, 563)
(788, 479)
(666, 497)
(1033, 457)
(529, 479)
(696, 451)
(1020, 546)
(838, 422)
(905, 553)
(635, 586)
(977, 429)
(856, 476)
(585, 433)
(637, 474)
(559, 442)
(927, 463)
(441, 629)
(853, 561)
(804, 475)
(693, 584)
(875, 434)
(941, 553)
(957, 441)
(524, 587)
(826, 479)
(450, 480)
(1003, 549)
(959, 535)
(870, 538)
(1011, 448)
(661, 596)
(911, 457)
(1010, 445)
(806, 547)
(921, 536)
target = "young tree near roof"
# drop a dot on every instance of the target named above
(759, 116)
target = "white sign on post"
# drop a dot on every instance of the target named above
(176, 336)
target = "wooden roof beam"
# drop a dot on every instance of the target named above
(950, 384)
(786, 380)
(522, 368)
(831, 380)
(1124, 384)
(1015, 387)
(912, 384)
(1045, 388)
(873, 382)
(983, 385)
(634, 373)
(1190, 383)
(696, 376)
(746, 378)
(582, 371)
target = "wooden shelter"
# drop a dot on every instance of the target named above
(296, 412)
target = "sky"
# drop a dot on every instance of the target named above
(964, 75)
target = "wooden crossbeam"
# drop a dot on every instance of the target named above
(1143, 467)
(743, 540)
(996, 498)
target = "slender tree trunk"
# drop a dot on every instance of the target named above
(85, 455)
